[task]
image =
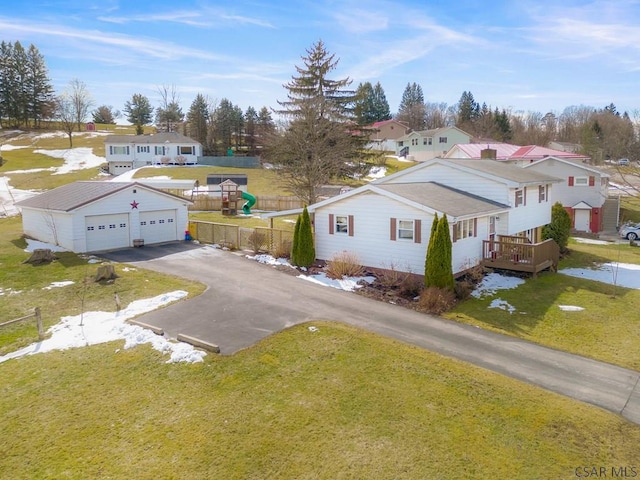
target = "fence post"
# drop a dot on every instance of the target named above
(39, 322)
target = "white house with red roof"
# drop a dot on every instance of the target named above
(506, 152)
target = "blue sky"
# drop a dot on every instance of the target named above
(522, 55)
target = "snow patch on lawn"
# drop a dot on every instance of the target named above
(502, 305)
(92, 328)
(493, 282)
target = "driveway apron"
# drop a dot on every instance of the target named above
(247, 301)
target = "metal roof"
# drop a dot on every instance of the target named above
(75, 195)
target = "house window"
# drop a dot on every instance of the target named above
(159, 150)
(442, 140)
(143, 148)
(90, 229)
(143, 223)
(112, 225)
(342, 224)
(428, 141)
(542, 193)
(186, 150)
(116, 150)
(465, 229)
(405, 229)
(581, 181)
(400, 144)
(170, 220)
(519, 197)
(123, 225)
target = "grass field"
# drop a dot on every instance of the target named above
(607, 329)
(335, 403)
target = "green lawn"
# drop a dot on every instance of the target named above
(23, 287)
(335, 403)
(607, 329)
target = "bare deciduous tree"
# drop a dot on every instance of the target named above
(81, 101)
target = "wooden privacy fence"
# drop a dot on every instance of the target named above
(269, 203)
(272, 240)
(36, 315)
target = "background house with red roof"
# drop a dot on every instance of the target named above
(384, 134)
(506, 152)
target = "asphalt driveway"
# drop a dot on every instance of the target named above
(247, 301)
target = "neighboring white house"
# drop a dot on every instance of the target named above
(427, 144)
(127, 152)
(582, 192)
(98, 216)
(387, 223)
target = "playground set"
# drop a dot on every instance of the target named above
(232, 189)
(231, 195)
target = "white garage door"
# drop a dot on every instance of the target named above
(158, 226)
(119, 168)
(107, 232)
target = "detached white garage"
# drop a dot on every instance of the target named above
(98, 216)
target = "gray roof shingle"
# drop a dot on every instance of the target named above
(455, 203)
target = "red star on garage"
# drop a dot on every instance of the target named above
(134, 204)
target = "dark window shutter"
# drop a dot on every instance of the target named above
(455, 232)
(571, 181)
(331, 224)
(524, 196)
(592, 181)
(475, 227)
(417, 231)
(351, 225)
(392, 229)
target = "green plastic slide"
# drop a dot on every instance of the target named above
(251, 201)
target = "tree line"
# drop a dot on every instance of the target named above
(27, 98)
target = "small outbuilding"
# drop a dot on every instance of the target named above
(97, 216)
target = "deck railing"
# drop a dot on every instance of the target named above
(520, 256)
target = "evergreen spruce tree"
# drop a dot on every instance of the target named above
(412, 108)
(321, 142)
(197, 119)
(560, 227)
(138, 111)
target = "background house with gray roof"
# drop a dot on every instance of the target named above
(127, 152)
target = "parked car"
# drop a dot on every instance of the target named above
(630, 231)
(623, 162)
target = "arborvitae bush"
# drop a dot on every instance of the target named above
(295, 244)
(438, 269)
(560, 227)
(304, 249)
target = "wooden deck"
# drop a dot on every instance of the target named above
(515, 253)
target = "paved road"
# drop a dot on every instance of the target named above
(247, 301)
